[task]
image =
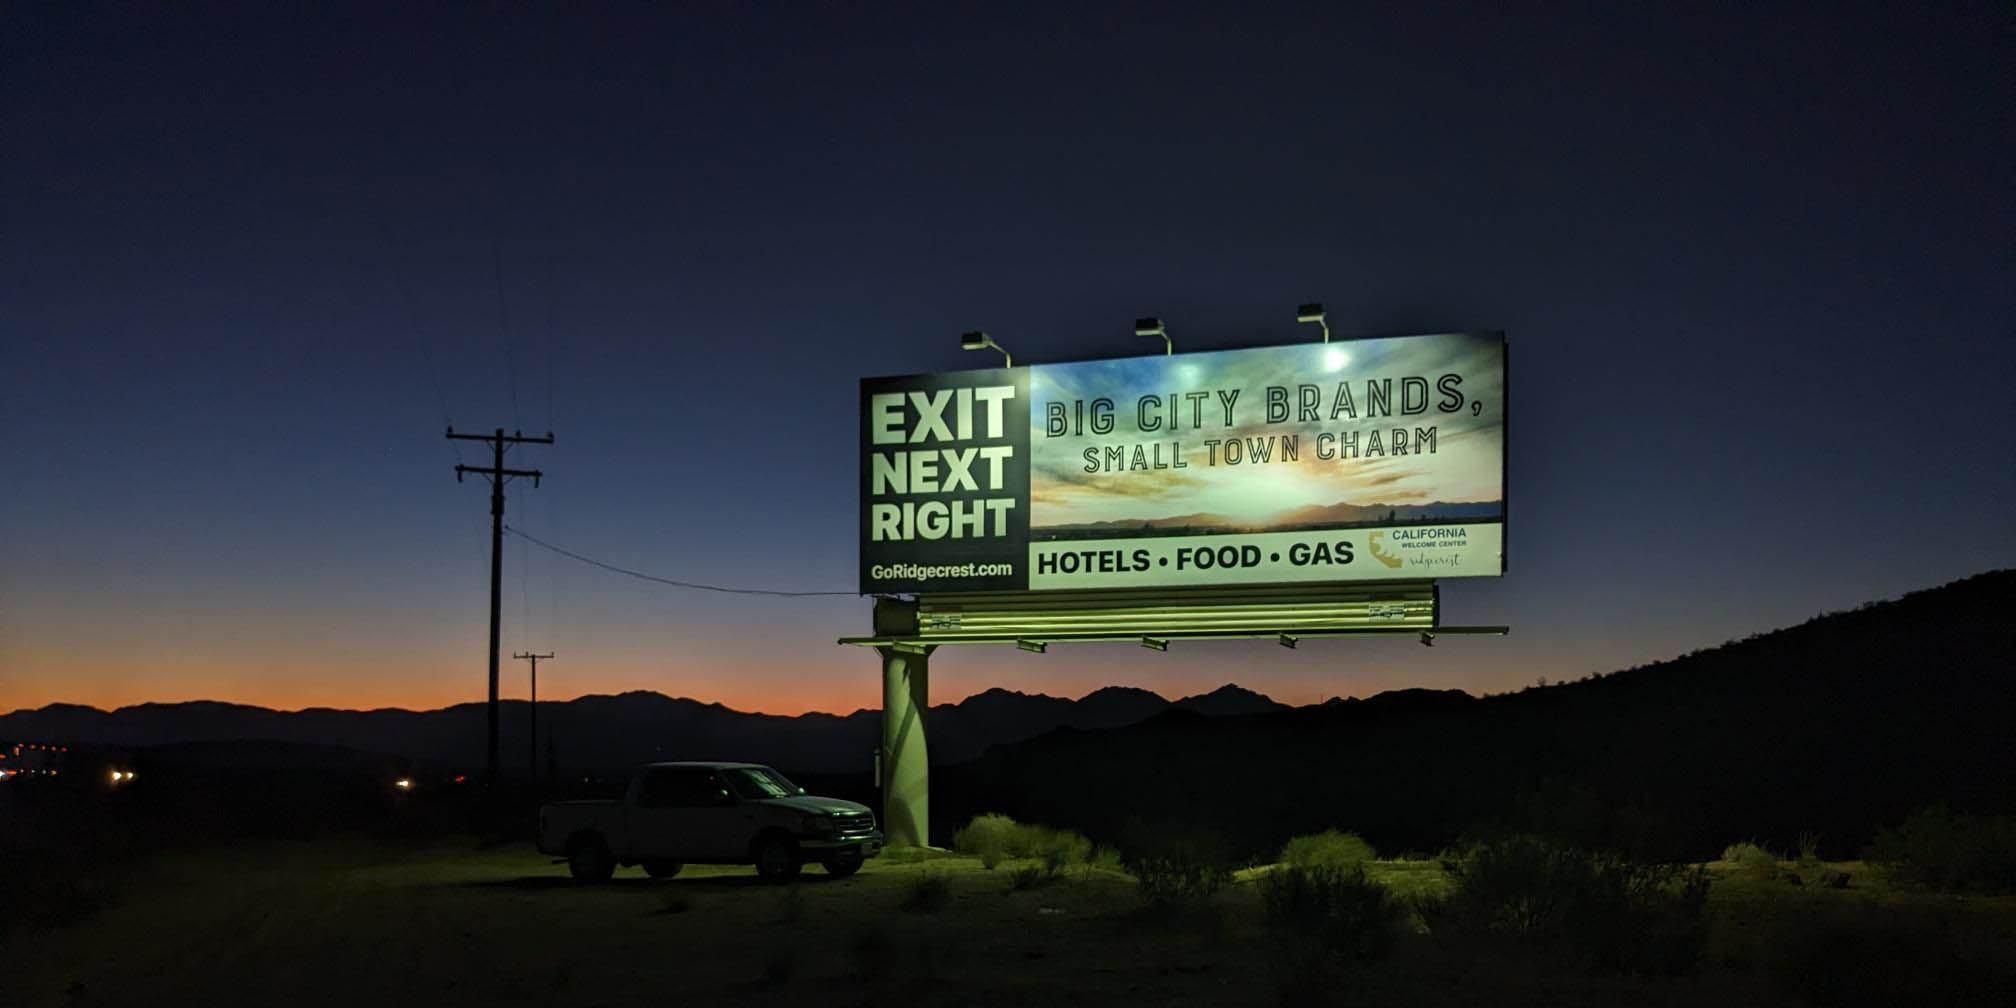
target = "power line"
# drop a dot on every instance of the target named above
(668, 581)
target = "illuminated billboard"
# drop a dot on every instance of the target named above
(1366, 460)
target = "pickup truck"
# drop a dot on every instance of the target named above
(675, 814)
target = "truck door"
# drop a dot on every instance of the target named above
(670, 818)
(728, 821)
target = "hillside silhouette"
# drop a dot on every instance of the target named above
(609, 732)
(1837, 725)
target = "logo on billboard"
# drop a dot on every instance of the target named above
(1379, 553)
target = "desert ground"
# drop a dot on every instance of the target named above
(367, 921)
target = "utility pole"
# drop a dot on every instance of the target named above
(534, 659)
(498, 476)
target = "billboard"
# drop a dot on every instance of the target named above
(1365, 460)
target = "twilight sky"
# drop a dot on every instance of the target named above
(1754, 269)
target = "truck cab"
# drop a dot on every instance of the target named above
(675, 814)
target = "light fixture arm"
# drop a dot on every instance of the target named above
(1313, 312)
(983, 341)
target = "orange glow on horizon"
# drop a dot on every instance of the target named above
(839, 683)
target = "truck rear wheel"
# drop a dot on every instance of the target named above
(662, 869)
(589, 860)
(777, 859)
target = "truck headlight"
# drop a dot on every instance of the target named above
(817, 825)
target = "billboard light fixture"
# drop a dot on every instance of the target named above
(1151, 327)
(1313, 312)
(1427, 639)
(1032, 646)
(1287, 641)
(978, 340)
(1155, 643)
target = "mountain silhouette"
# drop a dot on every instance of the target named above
(1839, 726)
(1230, 699)
(607, 732)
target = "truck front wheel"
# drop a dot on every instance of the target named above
(777, 859)
(843, 864)
(589, 860)
(662, 869)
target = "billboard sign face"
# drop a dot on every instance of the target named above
(1367, 460)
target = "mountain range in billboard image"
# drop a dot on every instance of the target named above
(1341, 515)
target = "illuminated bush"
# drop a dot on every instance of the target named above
(1328, 849)
(1342, 910)
(1057, 849)
(995, 838)
(1594, 910)
(1752, 861)
(987, 837)
(1938, 849)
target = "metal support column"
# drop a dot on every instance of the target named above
(906, 763)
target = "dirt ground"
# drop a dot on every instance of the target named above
(365, 924)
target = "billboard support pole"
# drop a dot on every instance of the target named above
(906, 762)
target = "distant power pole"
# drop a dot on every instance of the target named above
(498, 475)
(534, 659)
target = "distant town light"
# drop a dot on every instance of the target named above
(403, 784)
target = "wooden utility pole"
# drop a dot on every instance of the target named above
(498, 476)
(534, 728)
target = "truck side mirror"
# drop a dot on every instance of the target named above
(722, 797)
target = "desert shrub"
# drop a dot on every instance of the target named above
(1033, 876)
(1328, 849)
(1939, 849)
(1809, 851)
(986, 837)
(1340, 908)
(1752, 861)
(1057, 849)
(1177, 870)
(1598, 911)
(927, 893)
(995, 838)
(1099, 859)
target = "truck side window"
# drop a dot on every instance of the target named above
(660, 789)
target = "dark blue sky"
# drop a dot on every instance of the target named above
(1753, 266)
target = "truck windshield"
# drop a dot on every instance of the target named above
(759, 782)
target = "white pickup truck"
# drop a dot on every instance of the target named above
(675, 814)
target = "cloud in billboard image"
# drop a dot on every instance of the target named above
(1375, 432)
